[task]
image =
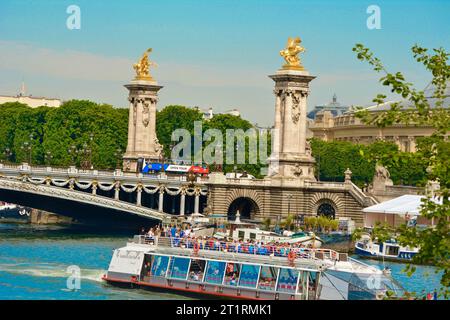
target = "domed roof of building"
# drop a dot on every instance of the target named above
(333, 106)
(429, 92)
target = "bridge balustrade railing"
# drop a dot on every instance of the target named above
(268, 249)
(325, 184)
(246, 181)
(72, 171)
(364, 198)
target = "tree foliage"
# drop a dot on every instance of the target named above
(333, 158)
(54, 131)
(174, 117)
(416, 108)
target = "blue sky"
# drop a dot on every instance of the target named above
(211, 53)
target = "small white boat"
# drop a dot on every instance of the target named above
(307, 239)
(389, 250)
(12, 211)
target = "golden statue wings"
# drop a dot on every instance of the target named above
(142, 67)
(290, 54)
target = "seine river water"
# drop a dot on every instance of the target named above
(34, 261)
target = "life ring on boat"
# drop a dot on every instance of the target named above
(196, 247)
(291, 256)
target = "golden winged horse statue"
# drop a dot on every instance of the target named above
(290, 54)
(142, 67)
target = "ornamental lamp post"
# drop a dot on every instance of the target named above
(86, 152)
(171, 146)
(26, 147)
(118, 155)
(8, 154)
(73, 152)
(91, 141)
(48, 158)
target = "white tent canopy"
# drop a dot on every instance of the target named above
(407, 204)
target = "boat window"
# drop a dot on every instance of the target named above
(392, 250)
(179, 268)
(249, 275)
(287, 281)
(232, 274)
(146, 265)
(241, 234)
(268, 278)
(303, 282)
(312, 285)
(215, 272)
(197, 270)
(252, 235)
(159, 266)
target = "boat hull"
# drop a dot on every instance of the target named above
(197, 290)
(402, 256)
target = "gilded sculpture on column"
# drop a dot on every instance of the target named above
(142, 67)
(290, 54)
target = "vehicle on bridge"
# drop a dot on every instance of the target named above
(174, 169)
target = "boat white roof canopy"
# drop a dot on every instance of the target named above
(406, 204)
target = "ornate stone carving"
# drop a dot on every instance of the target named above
(382, 172)
(308, 149)
(158, 147)
(134, 112)
(297, 170)
(295, 108)
(145, 113)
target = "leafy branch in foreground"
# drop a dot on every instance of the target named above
(418, 109)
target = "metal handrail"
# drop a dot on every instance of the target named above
(268, 249)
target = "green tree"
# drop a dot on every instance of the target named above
(417, 109)
(174, 117)
(223, 122)
(9, 115)
(75, 122)
(333, 158)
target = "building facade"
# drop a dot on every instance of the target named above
(347, 127)
(209, 113)
(31, 101)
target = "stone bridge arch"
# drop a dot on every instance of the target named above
(76, 204)
(248, 201)
(327, 203)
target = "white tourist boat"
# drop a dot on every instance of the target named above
(241, 271)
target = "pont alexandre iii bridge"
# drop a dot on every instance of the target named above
(115, 196)
(99, 195)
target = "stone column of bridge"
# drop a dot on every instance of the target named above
(291, 158)
(182, 202)
(161, 200)
(143, 97)
(197, 201)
